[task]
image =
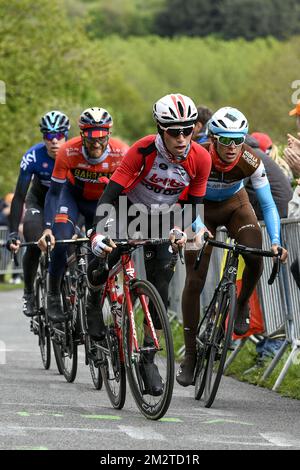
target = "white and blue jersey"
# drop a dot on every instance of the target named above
(223, 185)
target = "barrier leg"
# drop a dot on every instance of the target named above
(286, 367)
(234, 353)
(275, 361)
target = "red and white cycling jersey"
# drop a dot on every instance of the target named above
(153, 180)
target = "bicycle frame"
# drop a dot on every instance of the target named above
(126, 265)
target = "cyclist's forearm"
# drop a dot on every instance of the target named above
(17, 204)
(112, 191)
(51, 203)
(192, 213)
(270, 213)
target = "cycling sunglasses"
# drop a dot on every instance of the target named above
(228, 140)
(54, 135)
(175, 132)
(95, 140)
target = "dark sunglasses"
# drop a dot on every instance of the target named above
(95, 140)
(56, 135)
(173, 132)
(228, 140)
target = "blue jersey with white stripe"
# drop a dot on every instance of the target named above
(36, 161)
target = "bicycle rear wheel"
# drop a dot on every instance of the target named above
(151, 406)
(220, 342)
(40, 320)
(112, 360)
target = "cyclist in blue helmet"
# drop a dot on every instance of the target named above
(34, 180)
(226, 203)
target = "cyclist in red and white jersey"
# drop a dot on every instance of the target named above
(156, 170)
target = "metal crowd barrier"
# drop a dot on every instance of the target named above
(280, 303)
(6, 264)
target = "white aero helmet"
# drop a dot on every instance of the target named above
(175, 109)
(228, 121)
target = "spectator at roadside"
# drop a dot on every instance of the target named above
(200, 129)
(5, 205)
(280, 185)
(292, 151)
(282, 193)
(292, 154)
(268, 147)
(296, 112)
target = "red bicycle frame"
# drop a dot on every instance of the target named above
(126, 265)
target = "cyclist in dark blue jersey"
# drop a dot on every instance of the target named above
(35, 172)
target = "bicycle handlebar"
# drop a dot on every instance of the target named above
(242, 249)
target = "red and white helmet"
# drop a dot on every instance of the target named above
(92, 119)
(175, 109)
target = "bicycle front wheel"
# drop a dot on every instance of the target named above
(112, 359)
(151, 403)
(43, 329)
(220, 342)
(64, 342)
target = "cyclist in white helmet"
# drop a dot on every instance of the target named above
(226, 203)
(156, 170)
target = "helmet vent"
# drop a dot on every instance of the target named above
(180, 107)
(172, 112)
(222, 123)
(231, 117)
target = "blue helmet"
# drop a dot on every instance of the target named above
(54, 121)
(228, 122)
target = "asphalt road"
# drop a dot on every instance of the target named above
(40, 410)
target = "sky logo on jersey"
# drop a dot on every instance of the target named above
(27, 159)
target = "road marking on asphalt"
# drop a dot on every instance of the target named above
(43, 413)
(141, 433)
(230, 440)
(171, 420)
(110, 417)
(16, 430)
(218, 421)
(30, 448)
(281, 439)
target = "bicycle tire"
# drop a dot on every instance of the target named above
(220, 334)
(66, 350)
(57, 356)
(152, 407)
(203, 346)
(112, 364)
(43, 330)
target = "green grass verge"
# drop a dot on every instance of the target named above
(245, 368)
(177, 333)
(6, 287)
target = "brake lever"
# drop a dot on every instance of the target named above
(276, 267)
(48, 242)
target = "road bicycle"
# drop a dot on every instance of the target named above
(215, 328)
(39, 323)
(126, 315)
(73, 331)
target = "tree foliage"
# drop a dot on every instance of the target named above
(47, 61)
(229, 19)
